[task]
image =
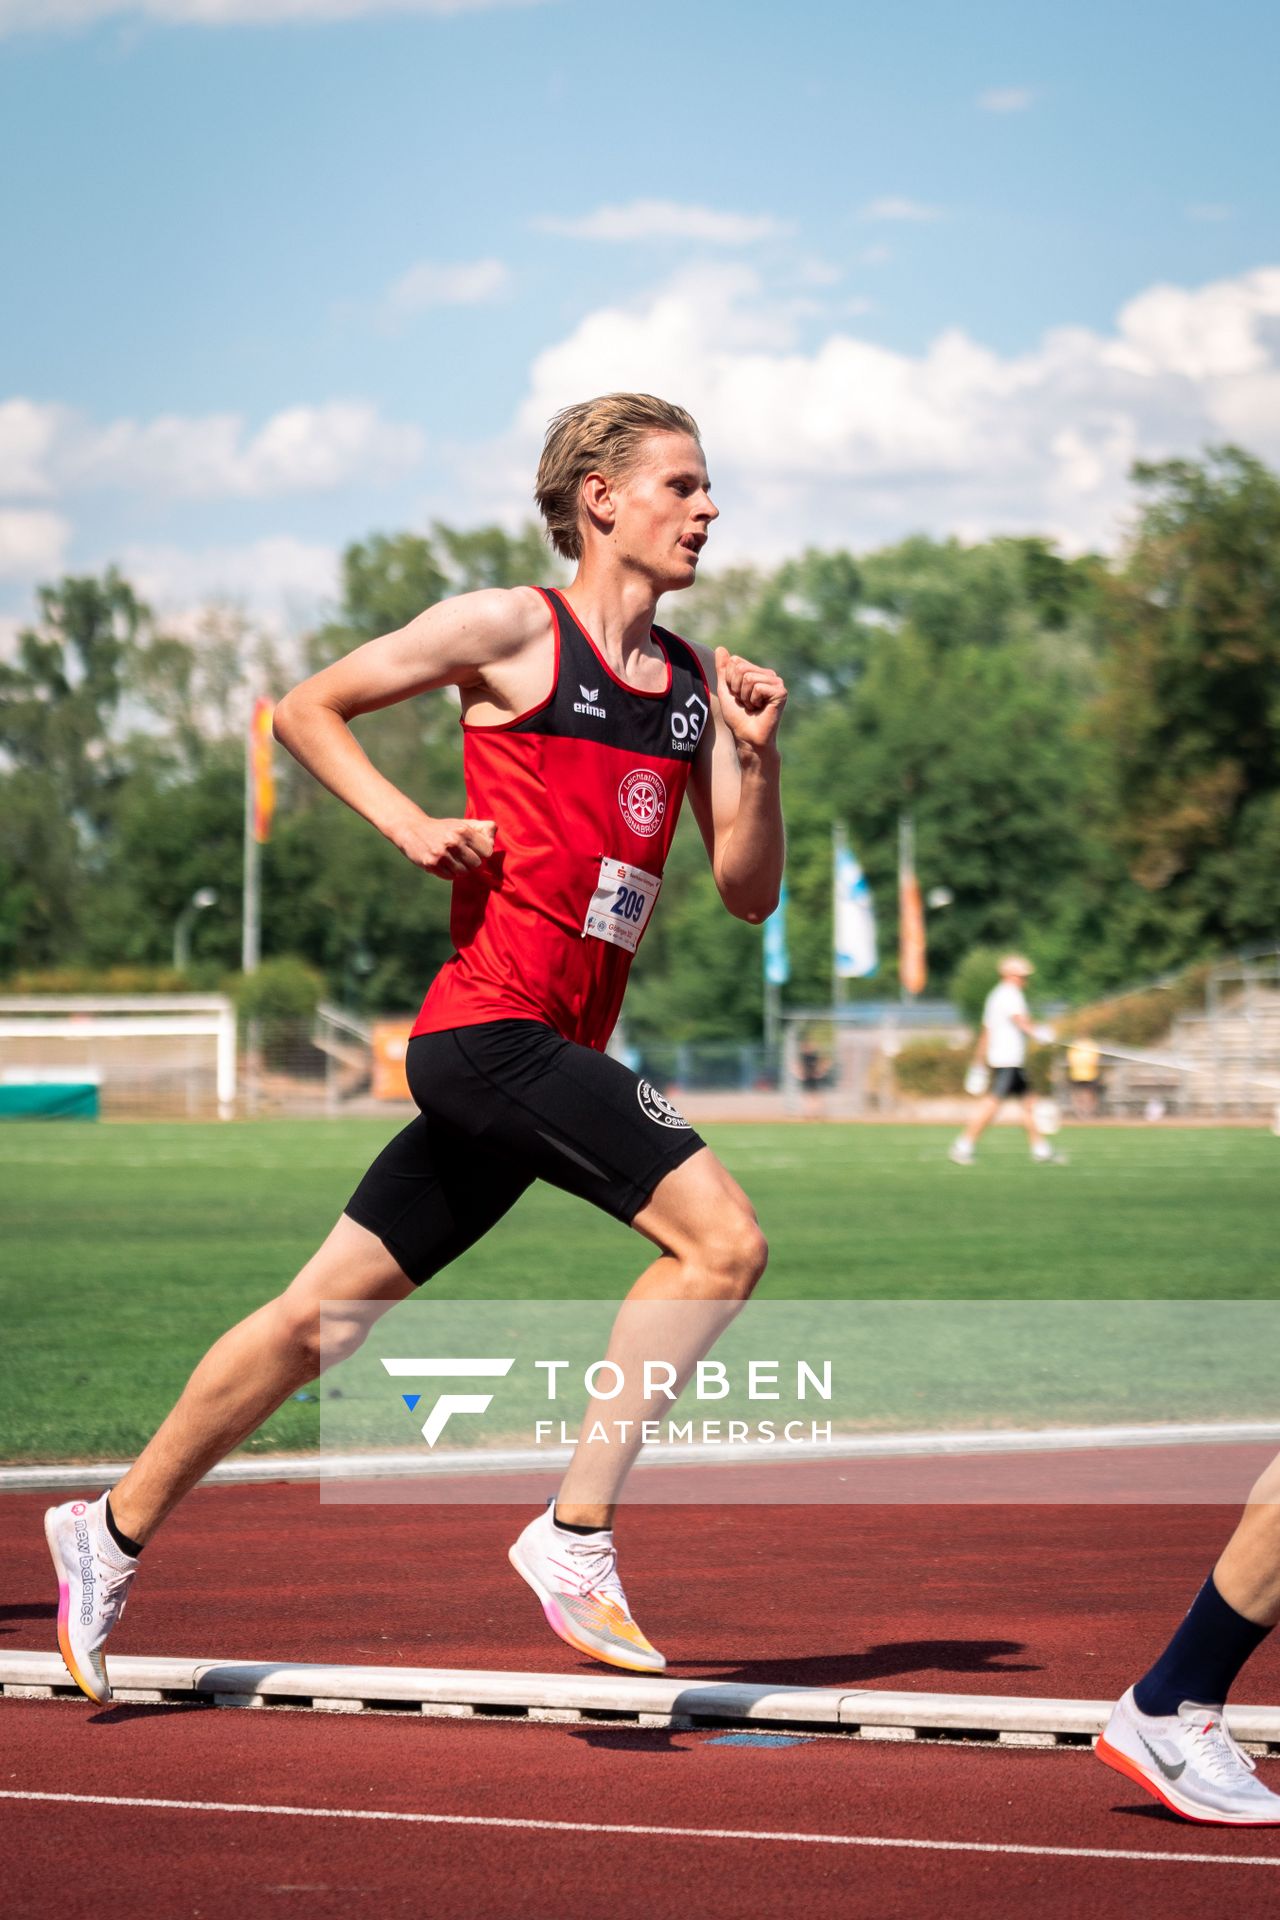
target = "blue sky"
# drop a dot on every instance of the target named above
(272, 286)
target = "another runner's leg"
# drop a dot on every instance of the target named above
(1167, 1733)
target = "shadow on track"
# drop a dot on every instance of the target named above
(887, 1659)
(28, 1610)
(128, 1711)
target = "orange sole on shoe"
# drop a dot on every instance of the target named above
(1132, 1771)
(562, 1626)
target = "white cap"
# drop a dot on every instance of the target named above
(1016, 963)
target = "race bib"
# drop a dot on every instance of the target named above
(621, 904)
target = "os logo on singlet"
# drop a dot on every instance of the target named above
(643, 799)
(658, 1107)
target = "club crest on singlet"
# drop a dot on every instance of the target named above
(642, 797)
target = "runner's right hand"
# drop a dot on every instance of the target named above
(447, 848)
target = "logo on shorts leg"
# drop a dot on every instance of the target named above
(643, 799)
(658, 1107)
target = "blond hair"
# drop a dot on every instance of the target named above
(596, 436)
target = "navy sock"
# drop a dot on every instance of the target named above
(1203, 1657)
(122, 1540)
(567, 1526)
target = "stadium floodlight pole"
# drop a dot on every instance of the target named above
(201, 898)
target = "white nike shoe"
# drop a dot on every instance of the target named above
(1189, 1761)
(961, 1151)
(575, 1575)
(94, 1578)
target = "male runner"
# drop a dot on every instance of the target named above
(583, 724)
(1002, 1046)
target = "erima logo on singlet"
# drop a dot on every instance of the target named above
(586, 705)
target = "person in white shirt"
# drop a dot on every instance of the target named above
(1002, 1047)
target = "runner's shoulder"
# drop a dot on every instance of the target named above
(497, 623)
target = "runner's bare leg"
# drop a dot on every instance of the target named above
(1248, 1573)
(254, 1368)
(713, 1255)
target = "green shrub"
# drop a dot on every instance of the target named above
(282, 992)
(88, 980)
(935, 1070)
(930, 1068)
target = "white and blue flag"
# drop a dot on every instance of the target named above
(777, 960)
(856, 954)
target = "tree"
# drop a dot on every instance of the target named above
(1190, 712)
(60, 745)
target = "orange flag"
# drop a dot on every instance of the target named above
(913, 969)
(263, 778)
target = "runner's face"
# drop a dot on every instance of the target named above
(664, 511)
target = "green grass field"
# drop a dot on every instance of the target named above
(125, 1250)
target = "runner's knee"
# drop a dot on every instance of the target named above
(319, 1341)
(733, 1256)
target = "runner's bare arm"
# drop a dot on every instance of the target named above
(454, 643)
(734, 789)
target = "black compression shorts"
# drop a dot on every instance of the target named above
(501, 1105)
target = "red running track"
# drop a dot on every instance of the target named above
(1054, 1600)
(74, 1860)
(1061, 1601)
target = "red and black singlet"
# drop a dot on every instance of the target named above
(584, 790)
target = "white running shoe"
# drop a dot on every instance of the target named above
(1189, 1761)
(94, 1578)
(575, 1575)
(961, 1151)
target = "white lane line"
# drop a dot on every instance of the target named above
(648, 1833)
(401, 1464)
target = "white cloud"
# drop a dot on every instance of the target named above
(813, 271)
(1006, 99)
(49, 450)
(433, 283)
(893, 207)
(27, 434)
(851, 442)
(666, 220)
(1210, 210)
(281, 581)
(32, 543)
(18, 16)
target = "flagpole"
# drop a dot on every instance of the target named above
(250, 928)
(838, 842)
(906, 865)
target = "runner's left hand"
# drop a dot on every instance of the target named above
(751, 699)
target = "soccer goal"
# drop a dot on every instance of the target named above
(124, 1055)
